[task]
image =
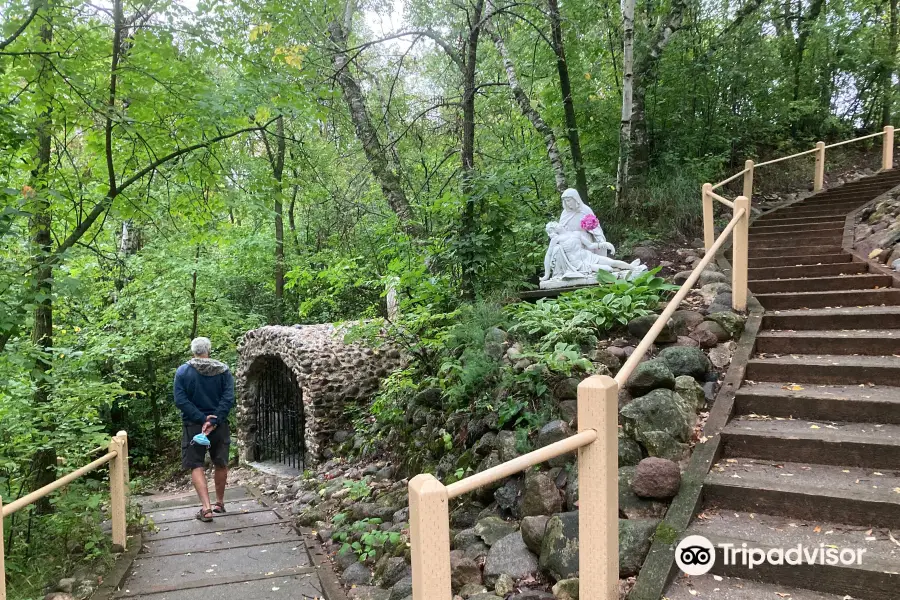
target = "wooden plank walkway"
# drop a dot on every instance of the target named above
(249, 553)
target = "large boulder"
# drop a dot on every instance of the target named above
(639, 326)
(491, 529)
(684, 360)
(509, 556)
(708, 334)
(559, 555)
(505, 445)
(691, 392)
(553, 432)
(663, 445)
(541, 496)
(648, 376)
(730, 321)
(463, 570)
(656, 478)
(634, 544)
(684, 321)
(633, 506)
(629, 451)
(660, 410)
(356, 574)
(533, 529)
(567, 589)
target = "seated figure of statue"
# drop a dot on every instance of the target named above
(572, 259)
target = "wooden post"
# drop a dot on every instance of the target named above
(429, 533)
(598, 491)
(709, 230)
(887, 148)
(117, 492)
(740, 248)
(819, 180)
(748, 179)
(124, 436)
(2, 567)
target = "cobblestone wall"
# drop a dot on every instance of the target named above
(332, 375)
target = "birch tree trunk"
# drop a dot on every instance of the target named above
(531, 114)
(622, 173)
(887, 86)
(565, 85)
(634, 143)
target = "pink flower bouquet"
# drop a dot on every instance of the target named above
(589, 223)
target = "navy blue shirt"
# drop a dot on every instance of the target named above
(204, 387)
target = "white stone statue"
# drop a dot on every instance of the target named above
(578, 249)
(574, 212)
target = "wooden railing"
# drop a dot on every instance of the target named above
(708, 194)
(117, 457)
(597, 445)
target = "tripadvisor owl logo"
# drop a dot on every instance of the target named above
(695, 555)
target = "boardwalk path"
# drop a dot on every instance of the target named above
(248, 554)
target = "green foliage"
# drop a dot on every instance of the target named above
(578, 318)
(359, 489)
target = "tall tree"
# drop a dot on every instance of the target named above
(565, 86)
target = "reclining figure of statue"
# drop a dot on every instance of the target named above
(578, 248)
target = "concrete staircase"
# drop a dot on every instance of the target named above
(812, 452)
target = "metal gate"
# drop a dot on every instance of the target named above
(280, 423)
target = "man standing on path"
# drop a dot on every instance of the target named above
(204, 392)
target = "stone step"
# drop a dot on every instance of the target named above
(864, 445)
(847, 495)
(869, 317)
(833, 238)
(779, 218)
(873, 577)
(878, 404)
(784, 272)
(830, 224)
(791, 251)
(870, 342)
(715, 587)
(785, 301)
(798, 233)
(828, 369)
(861, 281)
(845, 204)
(801, 259)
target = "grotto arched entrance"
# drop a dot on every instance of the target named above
(298, 386)
(279, 423)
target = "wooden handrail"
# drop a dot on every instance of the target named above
(663, 319)
(730, 179)
(865, 137)
(117, 456)
(722, 199)
(516, 465)
(783, 158)
(52, 487)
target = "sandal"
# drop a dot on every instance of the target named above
(205, 515)
(219, 508)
